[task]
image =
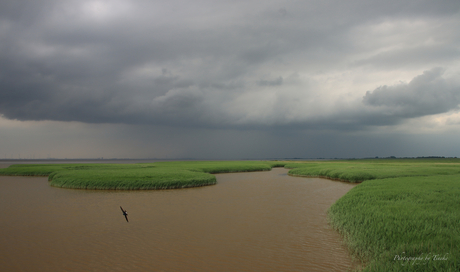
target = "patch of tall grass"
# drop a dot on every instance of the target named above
(47, 169)
(402, 224)
(404, 216)
(357, 171)
(215, 167)
(159, 175)
(130, 179)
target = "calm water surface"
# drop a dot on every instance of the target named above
(261, 221)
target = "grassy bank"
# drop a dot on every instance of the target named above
(405, 216)
(361, 170)
(385, 220)
(160, 175)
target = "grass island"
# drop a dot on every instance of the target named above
(404, 216)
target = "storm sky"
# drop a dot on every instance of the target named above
(229, 79)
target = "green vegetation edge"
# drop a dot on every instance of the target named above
(404, 216)
(143, 176)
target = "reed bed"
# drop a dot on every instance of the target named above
(358, 171)
(130, 179)
(402, 224)
(404, 216)
(145, 176)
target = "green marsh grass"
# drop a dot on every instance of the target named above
(404, 216)
(358, 171)
(145, 176)
(384, 220)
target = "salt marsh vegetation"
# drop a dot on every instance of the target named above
(159, 175)
(404, 216)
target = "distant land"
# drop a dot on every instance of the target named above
(204, 159)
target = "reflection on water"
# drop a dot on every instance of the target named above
(261, 221)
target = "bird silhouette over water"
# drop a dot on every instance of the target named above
(125, 213)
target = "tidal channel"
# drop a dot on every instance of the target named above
(259, 221)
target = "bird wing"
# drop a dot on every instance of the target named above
(126, 216)
(122, 209)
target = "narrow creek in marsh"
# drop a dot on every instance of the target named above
(259, 221)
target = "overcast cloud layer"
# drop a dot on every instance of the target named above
(304, 67)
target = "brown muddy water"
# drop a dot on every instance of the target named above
(260, 221)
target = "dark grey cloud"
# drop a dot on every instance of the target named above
(426, 94)
(274, 82)
(219, 64)
(412, 57)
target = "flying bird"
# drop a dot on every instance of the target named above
(125, 213)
